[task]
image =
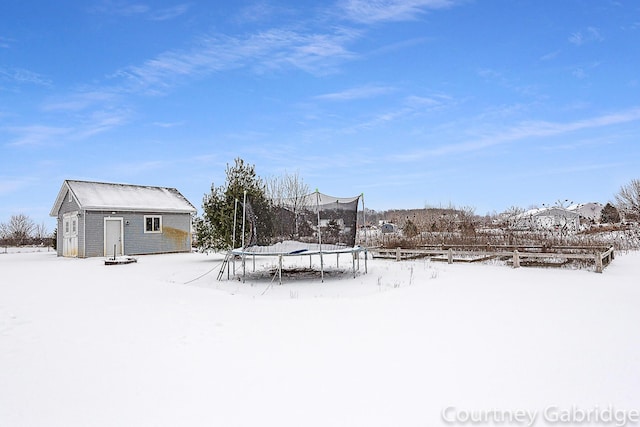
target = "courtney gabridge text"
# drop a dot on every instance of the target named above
(551, 415)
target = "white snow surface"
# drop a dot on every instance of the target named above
(162, 343)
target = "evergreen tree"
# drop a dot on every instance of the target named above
(215, 229)
(609, 214)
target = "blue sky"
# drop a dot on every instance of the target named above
(486, 104)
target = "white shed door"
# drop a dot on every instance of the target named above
(112, 237)
(70, 234)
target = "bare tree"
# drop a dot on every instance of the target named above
(510, 217)
(468, 218)
(287, 186)
(40, 231)
(288, 190)
(19, 229)
(4, 231)
(563, 204)
(628, 199)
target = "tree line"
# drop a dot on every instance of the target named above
(624, 208)
(216, 229)
(21, 230)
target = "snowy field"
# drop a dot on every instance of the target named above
(144, 344)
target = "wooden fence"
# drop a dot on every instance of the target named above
(517, 256)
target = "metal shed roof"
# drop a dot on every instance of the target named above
(123, 197)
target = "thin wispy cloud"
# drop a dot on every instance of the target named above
(81, 100)
(22, 76)
(592, 142)
(551, 55)
(36, 135)
(101, 121)
(591, 34)
(121, 8)
(524, 131)
(411, 106)
(510, 83)
(8, 185)
(5, 43)
(372, 11)
(168, 125)
(572, 169)
(256, 12)
(261, 11)
(141, 10)
(398, 46)
(362, 92)
(576, 38)
(579, 73)
(261, 52)
(429, 102)
(315, 53)
(274, 49)
(93, 123)
(168, 13)
(137, 168)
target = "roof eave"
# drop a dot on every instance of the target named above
(60, 199)
(130, 209)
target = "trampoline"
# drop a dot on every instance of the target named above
(312, 225)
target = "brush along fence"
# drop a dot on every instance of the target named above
(517, 256)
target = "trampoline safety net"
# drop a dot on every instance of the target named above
(314, 222)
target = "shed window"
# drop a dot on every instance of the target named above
(153, 224)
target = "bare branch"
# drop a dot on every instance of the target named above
(628, 200)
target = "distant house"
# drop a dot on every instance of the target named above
(103, 219)
(589, 212)
(547, 219)
(388, 227)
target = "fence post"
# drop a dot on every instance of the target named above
(598, 257)
(450, 256)
(397, 254)
(516, 259)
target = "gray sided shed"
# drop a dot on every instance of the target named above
(99, 219)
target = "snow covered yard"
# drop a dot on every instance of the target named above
(144, 344)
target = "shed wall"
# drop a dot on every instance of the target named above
(175, 236)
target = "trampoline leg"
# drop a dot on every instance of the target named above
(365, 262)
(353, 262)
